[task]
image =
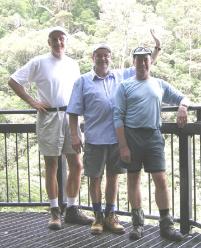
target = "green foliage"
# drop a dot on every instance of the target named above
(78, 6)
(10, 7)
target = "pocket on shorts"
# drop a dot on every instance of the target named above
(88, 153)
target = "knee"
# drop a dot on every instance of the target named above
(112, 177)
(133, 181)
(74, 164)
(95, 182)
(162, 184)
(160, 180)
(78, 165)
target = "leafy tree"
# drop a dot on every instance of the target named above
(10, 7)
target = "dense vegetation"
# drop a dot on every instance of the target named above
(124, 24)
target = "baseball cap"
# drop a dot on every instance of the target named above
(101, 45)
(142, 51)
(57, 28)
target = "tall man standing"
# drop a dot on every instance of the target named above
(137, 121)
(54, 74)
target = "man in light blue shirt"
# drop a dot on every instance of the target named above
(137, 121)
(92, 97)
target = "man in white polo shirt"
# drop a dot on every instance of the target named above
(54, 74)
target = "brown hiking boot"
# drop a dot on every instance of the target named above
(138, 224)
(97, 225)
(167, 229)
(111, 222)
(55, 221)
(74, 215)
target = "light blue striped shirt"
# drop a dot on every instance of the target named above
(138, 103)
(93, 97)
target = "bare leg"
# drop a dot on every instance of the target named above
(161, 191)
(95, 189)
(134, 192)
(111, 188)
(74, 175)
(51, 164)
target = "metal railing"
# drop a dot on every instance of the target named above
(22, 170)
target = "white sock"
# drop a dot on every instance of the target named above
(54, 203)
(71, 201)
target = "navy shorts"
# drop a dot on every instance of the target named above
(147, 150)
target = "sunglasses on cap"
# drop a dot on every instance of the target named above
(142, 51)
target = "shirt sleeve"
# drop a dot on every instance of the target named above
(171, 95)
(25, 74)
(119, 107)
(76, 103)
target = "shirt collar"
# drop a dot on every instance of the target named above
(95, 76)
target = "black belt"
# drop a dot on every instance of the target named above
(63, 108)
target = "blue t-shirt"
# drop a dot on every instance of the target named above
(138, 102)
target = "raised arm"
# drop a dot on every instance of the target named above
(157, 47)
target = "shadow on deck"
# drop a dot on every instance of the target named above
(24, 230)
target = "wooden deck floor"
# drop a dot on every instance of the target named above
(29, 230)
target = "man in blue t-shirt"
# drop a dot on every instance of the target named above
(137, 121)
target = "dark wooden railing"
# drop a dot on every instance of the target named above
(183, 154)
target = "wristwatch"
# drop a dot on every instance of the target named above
(157, 48)
(184, 105)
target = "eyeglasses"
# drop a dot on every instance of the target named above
(142, 50)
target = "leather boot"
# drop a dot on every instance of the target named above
(112, 223)
(167, 229)
(74, 215)
(55, 220)
(138, 224)
(97, 225)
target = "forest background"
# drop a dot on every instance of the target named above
(123, 24)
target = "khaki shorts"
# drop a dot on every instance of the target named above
(96, 157)
(53, 133)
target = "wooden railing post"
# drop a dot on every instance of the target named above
(61, 177)
(185, 182)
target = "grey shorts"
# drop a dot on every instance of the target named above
(96, 157)
(53, 133)
(147, 149)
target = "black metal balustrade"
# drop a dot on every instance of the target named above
(22, 179)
